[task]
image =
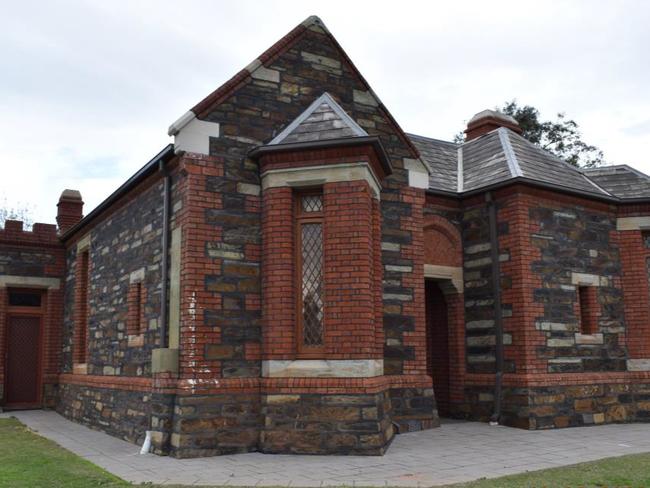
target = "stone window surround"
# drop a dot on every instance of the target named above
(318, 175)
(309, 177)
(137, 278)
(15, 281)
(587, 280)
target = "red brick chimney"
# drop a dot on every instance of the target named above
(488, 120)
(69, 209)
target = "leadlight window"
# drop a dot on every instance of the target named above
(309, 240)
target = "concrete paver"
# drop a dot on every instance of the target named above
(456, 452)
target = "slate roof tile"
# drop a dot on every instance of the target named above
(502, 154)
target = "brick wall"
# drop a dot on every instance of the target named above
(36, 254)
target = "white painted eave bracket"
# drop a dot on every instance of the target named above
(418, 173)
(192, 134)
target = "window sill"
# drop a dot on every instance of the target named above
(136, 340)
(80, 368)
(589, 339)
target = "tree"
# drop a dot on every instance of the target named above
(560, 137)
(19, 212)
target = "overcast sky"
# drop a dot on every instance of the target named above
(88, 88)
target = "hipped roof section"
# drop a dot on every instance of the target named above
(502, 156)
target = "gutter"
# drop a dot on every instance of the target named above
(147, 170)
(537, 184)
(498, 316)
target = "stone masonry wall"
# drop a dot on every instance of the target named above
(479, 297)
(327, 424)
(210, 425)
(126, 242)
(119, 412)
(571, 240)
(265, 103)
(251, 109)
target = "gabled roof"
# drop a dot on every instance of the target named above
(324, 119)
(502, 155)
(312, 23)
(621, 181)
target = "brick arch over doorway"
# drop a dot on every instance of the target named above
(444, 312)
(442, 242)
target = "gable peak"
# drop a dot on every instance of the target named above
(324, 119)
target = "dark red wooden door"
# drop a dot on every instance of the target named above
(438, 344)
(23, 386)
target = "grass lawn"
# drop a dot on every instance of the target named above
(31, 461)
(632, 471)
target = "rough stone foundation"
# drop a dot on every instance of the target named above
(120, 413)
(560, 406)
(414, 409)
(327, 424)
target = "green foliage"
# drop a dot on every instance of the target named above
(19, 212)
(561, 137)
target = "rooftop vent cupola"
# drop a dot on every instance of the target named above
(69, 209)
(488, 120)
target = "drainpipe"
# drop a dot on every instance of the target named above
(498, 318)
(165, 253)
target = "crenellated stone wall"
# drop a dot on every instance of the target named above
(34, 259)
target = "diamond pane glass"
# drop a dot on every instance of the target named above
(312, 203)
(312, 278)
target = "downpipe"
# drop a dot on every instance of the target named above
(165, 254)
(146, 445)
(498, 314)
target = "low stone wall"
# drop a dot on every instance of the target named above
(121, 413)
(327, 424)
(212, 425)
(413, 409)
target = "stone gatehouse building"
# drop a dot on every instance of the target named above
(297, 274)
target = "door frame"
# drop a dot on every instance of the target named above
(39, 313)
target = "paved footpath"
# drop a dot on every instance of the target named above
(458, 451)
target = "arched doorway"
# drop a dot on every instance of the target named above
(437, 319)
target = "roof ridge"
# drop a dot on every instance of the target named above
(511, 158)
(550, 154)
(410, 134)
(596, 185)
(325, 98)
(460, 176)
